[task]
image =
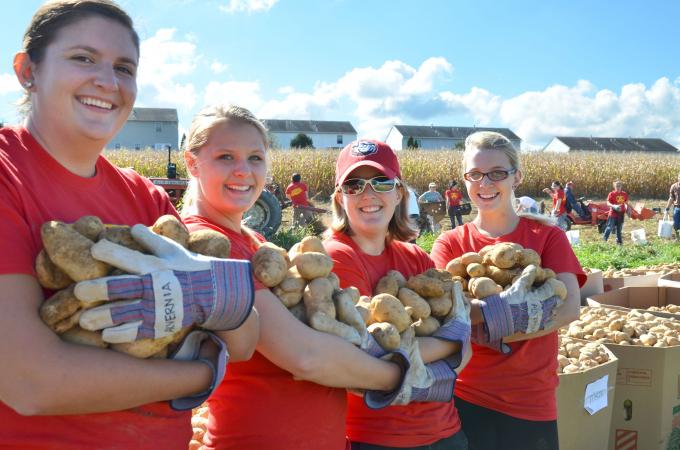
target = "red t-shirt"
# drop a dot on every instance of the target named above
(521, 384)
(454, 196)
(35, 188)
(559, 195)
(297, 192)
(260, 406)
(617, 198)
(411, 425)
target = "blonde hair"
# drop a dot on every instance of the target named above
(490, 140)
(199, 133)
(400, 227)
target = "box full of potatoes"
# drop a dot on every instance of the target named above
(646, 409)
(637, 277)
(587, 372)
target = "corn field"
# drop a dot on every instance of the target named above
(644, 175)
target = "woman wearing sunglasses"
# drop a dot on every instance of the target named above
(506, 396)
(286, 396)
(369, 237)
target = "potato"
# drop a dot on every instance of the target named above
(347, 312)
(299, 312)
(419, 308)
(426, 326)
(294, 251)
(503, 255)
(77, 335)
(49, 275)
(484, 250)
(209, 243)
(70, 251)
(318, 297)
(483, 287)
(502, 277)
(456, 268)
(353, 293)
(476, 270)
(529, 256)
(89, 226)
(170, 227)
(441, 306)
(61, 305)
(559, 287)
(387, 285)
(470, 257)
(335, 281)
(269, 266)
(64, 325)
(121, 235)
(387, 308)
(462, 281)
(425, 286)
(439, 274)
(312, 244)
(363, 306)
(386, 335)
(321, 322)
(313, 265)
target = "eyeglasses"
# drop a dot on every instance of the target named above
(494, 175)
(381, 184)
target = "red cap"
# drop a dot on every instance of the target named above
(366, 153)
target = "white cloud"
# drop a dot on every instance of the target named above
(241, 93)
(218, 67)
(165, 60)
(249, 6)
(9, 84)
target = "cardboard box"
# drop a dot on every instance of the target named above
(646, 411)
(632, 281)
(577, 428)
(670, 280)
(593, 285)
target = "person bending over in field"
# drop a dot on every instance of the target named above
(506, 395)
(617, 200)
(297, 193)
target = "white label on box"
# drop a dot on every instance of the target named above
(596, 395)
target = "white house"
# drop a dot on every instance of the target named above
(564, 144)
(324, 134)
(431, 137)
(155, 128)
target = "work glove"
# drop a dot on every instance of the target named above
(172, 289)
(189, 350)
(381, 399)
(456, 326)
(520, 309)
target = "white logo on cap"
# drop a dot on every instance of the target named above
(364, 148)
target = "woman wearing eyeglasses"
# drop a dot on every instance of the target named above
(369, 237)
(506, 395)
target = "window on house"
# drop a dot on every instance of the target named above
(339, 140)
(159, 128)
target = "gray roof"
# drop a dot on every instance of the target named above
(308, 126)
(153, 115)
(432, 132)
(617, 144)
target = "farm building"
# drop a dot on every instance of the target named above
(430, 137)
(604, 144)
(324, 134)
(154, 128)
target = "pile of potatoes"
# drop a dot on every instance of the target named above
(199, 423)
(495, 267)
(66, 260)
(635, 327)
(662, 269)
(303, 281)
(577, 356)
(672, 309)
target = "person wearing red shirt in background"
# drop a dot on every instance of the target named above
(559, 211)
(369, 237)
(78, 67)
(291, 394)
(297, 193)
(617, 200)
(506, 398)
(454, 196)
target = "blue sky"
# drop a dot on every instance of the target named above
(541, 68)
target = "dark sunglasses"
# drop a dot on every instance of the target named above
(381, 184)
(494, 175)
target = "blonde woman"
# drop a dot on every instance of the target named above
(506, 395)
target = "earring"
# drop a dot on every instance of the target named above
(28, 84)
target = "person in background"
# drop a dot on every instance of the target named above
(291, 395)
(526, 204)
(431, 195)
(368, 238)
(506, 394)
(559, 211)
(674, 201)
(454, 196)
(297, 193)
(617, 200)
(78, 67)
(570, 200)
